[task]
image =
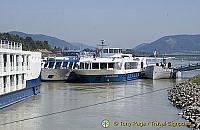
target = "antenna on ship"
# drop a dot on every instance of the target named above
(102, 45)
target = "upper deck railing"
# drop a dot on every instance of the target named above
(6, 44)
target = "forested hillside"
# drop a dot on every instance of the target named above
(27, 42)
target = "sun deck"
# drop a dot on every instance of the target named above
(5, 44)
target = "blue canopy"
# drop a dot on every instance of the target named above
(62, 60)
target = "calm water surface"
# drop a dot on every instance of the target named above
(61, 96)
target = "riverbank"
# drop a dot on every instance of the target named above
(186, 96)
(196, 79)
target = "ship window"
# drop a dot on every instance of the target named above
(103, 65)
(127, 66)
(95, 65)
(86, 65)
(4, 81)
(4, 58)
(5, 61)
(110, 65)
(51, 64)
(17, 79)
(70, 65)
(11, 59)
(105, 50)
(120, 50)
(151, 61)
(90, 65)
(45, 65)
(65, 64)
(81, 65)
(74, 66)
(50, 76)
(11, 80)
(22, 78)
(111, 51)
(58, 64)
(118, 65)
(27, 61)
(115, 50)
(23, 60)
(12, 62)
(131, 65)
(71, 53)
(17, 60)
(142, 64)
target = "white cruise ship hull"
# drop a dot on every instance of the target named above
(157, 72)
(55, 74)
(19, 73)
(32, 88)
(101, 77)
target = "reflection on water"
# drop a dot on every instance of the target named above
(56, 97)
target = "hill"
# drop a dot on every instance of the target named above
(172, 44)
(53, 41)
(28, 43)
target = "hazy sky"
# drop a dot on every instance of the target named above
(122, 23)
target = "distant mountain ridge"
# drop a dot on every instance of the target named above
(53, 41)
(140, 46)
(172, 44)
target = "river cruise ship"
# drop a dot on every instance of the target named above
(19, 73)
(60, 68)
(111, 66)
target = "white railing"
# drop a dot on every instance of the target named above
(5, 66)
(23, 84)
(5, 69)
(5, 89)
(12, 68)
(28, 67)
(17, 86)
(5, 44)
(12, 86)
(24, 67)
(17, 68)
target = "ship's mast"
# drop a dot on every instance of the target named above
(102, 45)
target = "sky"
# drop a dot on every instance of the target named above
(121, 23)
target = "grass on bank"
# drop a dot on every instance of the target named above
(196, 79)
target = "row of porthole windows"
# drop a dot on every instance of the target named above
(131, 75)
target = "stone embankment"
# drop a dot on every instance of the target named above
(186, 96)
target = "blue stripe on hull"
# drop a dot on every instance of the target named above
(108, 78)
(31, 89)
(33, 82)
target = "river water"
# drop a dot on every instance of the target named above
(78, 106)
